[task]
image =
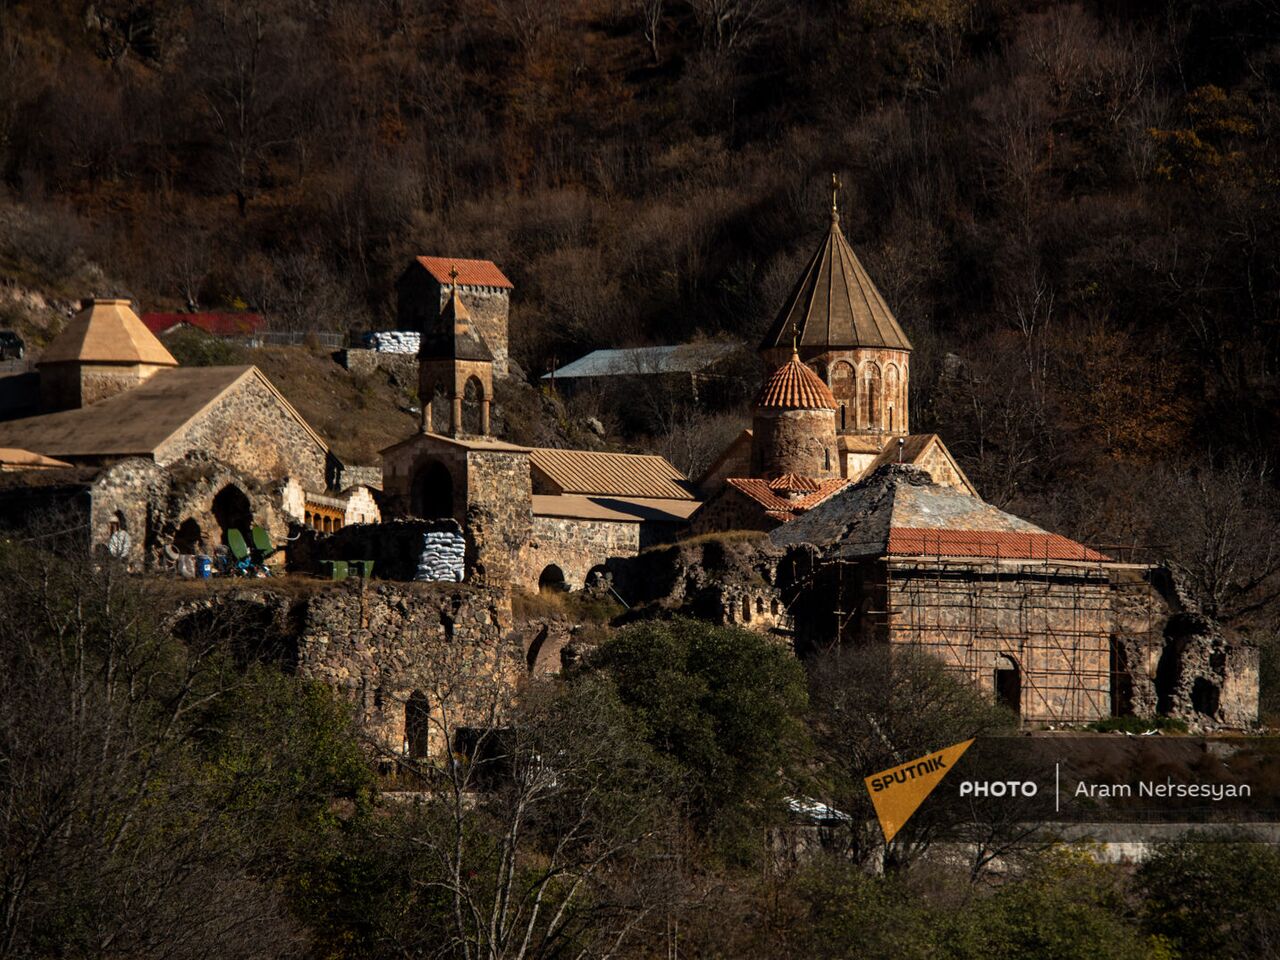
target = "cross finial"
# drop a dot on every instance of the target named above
(835, 192)
(453, 274)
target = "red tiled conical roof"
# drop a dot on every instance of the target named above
(793, 386)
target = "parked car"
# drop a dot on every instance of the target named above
(12, 346)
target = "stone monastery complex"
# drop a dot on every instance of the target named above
(868, 534)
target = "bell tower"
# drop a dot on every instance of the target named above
(455, 364)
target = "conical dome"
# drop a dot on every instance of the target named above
(793, 386)
(107, 331)
(835, 306)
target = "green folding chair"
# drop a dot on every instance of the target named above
(241, 557)
(262, 544)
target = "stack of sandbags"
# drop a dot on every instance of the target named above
(442, 558)
(393, 341)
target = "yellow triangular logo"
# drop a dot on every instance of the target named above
(897, 793)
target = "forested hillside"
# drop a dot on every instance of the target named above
(1071, 207)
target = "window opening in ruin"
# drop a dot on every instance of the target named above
(432, 491)
(1204, 697)
(1121, 681)
(760, 605)
(551, 580)
(232, 510)
(116, 524)
(773, 607)
(187, 539)
(1008, 683)
(746, 610)
(472, 394)
(417, 725)
(1168, 672)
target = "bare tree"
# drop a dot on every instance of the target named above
(651, 12)
(729, 25)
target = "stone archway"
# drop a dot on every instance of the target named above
(232, 510)
(551, 580)
(1008, 683)
(188, 537)
(431, 494)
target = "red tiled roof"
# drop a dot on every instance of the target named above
(217, 324)
(793, 386)
(993, 544)
(780, 508)
(793, 483)
(471, 273)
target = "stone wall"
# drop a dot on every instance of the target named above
(730, 509)
(252, 431)
(379, 645)
(72, 385)
(357, 476)
(499, 513)
(361, 507)
(403, 367)
(794, 441)
(1052, 624)
(575, 546)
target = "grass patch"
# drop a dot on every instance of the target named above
(578, 606)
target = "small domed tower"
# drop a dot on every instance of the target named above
(794, 425)
(846, 332)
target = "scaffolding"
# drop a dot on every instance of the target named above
(1049, 617)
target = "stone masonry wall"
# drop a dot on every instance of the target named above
(499, 519)
(794, 441)
(575, 546)
(1055, 626)
(489, 308)
(251, 430)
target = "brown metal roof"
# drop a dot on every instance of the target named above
(835, 304)
(106, 331)
(793, 386)
(136, 422)
(471, 273)
(614, 509)
(15, 458)
(612, 474)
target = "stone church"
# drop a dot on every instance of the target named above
(171, 457)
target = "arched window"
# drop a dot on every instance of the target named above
(417, 726)
(871, 397)
(892, 381)
(328, 525)
(431, 494)
(842, 382)
(760, 605)
(746, 610)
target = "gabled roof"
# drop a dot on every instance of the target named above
(611, 474)
(914, 450)
(106, 331)
(781, 507)
(645, 361)
(479, 444)
(471, 273)
(137, 422)
(215, 324)
(794, 386)
(899, 511)
(14, 458)
(860, 443)
(835, 304)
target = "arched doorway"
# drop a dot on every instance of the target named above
(1008, 684)
(432, 491)
(417, 725)
(187, 539)
(472, 397)
(551, 580)
(232, 510)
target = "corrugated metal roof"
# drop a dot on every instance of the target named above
(612, 474)
(793, 386)
(615, 509)
(644, 361)
(107, 331)
(471, 273)
(835, 304)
